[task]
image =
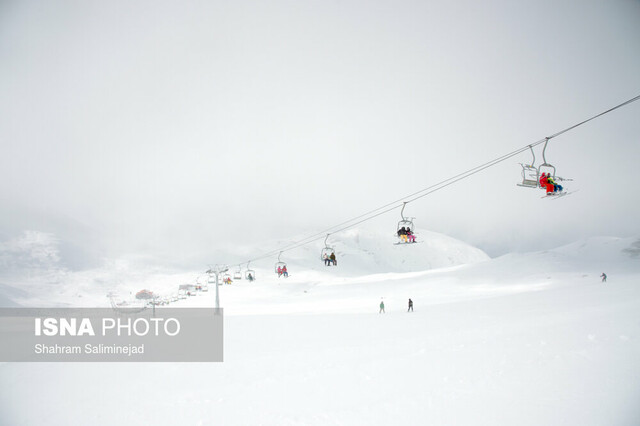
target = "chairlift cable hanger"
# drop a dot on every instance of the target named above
(348, 224)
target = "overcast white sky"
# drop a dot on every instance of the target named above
(170, 128)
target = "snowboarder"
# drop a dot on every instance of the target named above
(604, 277)
(381, 308)
(333, 260)
(410, 306)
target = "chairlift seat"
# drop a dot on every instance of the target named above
(405, 224)
(547, 168)
(327, 252)
(530, 176)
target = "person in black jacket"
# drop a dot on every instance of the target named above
(402, 233)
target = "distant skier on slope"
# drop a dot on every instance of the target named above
(410, 306)
(604, 277)
(381, 308)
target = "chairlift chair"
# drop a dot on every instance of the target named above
(546, 167)
(406, 222)
(238, 274)
(327, 251)
(279, 264)
(530, 174)
(251, 272)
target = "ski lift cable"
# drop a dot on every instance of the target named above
(343, 226)
(594, 117)
(393, 205)
(433, 188)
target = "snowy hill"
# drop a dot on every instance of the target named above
(364, 251)
(359, 251)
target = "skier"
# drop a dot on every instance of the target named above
(250, 277)
(547, 182)
(381, 308)
(284, 271)
(604, 277)
(402, 233)
(543, 181)
(556, 187)
(279, 271)
(410, 236)
(332, 259)
(326, 260)
(410, 306)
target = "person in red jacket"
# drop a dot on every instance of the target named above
(543, 182)
(546, 182)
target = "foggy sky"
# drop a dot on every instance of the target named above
(177, 128)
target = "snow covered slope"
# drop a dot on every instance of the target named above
(321, 289)
(525, 339)
(359, 251)
(365, 251)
